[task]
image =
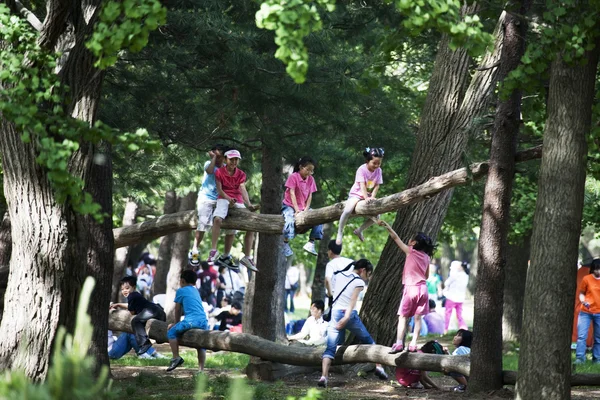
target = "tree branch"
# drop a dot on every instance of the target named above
(33, 20)
(273, 224)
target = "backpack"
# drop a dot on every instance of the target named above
(206, 287)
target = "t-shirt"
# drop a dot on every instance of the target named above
(231, 183)
(337, 264)
(456, 286)
(228, 320)
(435, 323)
(137, 303)
(189, 298)
(371, 179)
(342, 298)
(590, 286)
(461, 351)
(208, 190)
(414, 268)
(433, 282)
(232, 281)
(302, 188)
(292, 276)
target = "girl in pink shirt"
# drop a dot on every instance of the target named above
(366, 184)
(415, 299)
(299, 188)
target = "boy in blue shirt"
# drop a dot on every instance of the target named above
(142, 309)
(188, 302)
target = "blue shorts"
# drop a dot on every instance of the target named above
(183, 326)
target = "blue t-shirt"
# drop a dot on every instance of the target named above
(208, 190)
(189, 298)
(462, 351)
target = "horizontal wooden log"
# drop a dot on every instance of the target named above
(273, 224)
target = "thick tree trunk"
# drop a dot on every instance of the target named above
(545, 358)
(179, 258)
(165, 248)
(267, 319)
(5, 251)
(447, 116)
(487, 349)
(517, 261)
(318, 283)
(243, 220)
(122, 253)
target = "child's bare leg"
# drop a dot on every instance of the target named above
(201, 359)
(248, 244)
(198, 239)
(174, 347)
(228, 243)
(368, 222)
(461, 380)
(348, 209)
(216, 231)
(325, 367)
(416, 330)
(402, 325)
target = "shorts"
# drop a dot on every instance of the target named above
(183, 326)
(415, 301)
(221, 211)
(205, 214)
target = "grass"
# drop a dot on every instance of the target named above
(220, 360)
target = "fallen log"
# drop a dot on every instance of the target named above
(273, 224)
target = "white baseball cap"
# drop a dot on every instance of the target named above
(233, 154)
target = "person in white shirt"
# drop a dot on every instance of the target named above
(455, 289)
(232, 280)
(336, 263)
(314, 330)
(346, 288)
(292, 280)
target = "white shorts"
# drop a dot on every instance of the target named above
(222, 210)
(205, 214)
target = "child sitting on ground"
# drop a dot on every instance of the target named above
(462, 341)
(414, 378)
(143, 311)
(188, 302)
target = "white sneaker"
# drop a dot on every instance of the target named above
(310, 247)
(156, 354)
(194, 258)
(145, 356)
(248, 262)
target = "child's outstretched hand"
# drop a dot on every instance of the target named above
(253, 207)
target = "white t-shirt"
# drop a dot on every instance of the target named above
(341, 280)
(232, 281)
(292, 276)
(337, 264)
(455, 287)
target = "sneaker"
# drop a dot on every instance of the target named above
(227, 261)
(145, 356)
(359, 234)
(381, 374)
(194, 258)
(310, 247)
(156, 354)
(287, 250)
(460, 388)
(213, 255)
(322, 382)
(579, 361)
(145, 347)
(175, 362)
(396, 348)
(248, 262)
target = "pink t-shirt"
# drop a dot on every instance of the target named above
(371, 179)
(414, 268)
(302, 189)
(231, 183)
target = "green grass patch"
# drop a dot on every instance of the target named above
(219, 360)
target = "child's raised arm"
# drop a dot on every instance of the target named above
(393, 235)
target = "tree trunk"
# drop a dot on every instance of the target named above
(49, 260)
(447, 116)
(318, 283)
(267, 319)
(165, 248)
(5, 251)
(179, 258)
(545, 357)
(122, 253)
(517, 260)
(487, 349)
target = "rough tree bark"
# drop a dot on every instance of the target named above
(179, 258)
(165, 248)
(5, 251)
(449, 113)
(487, 349)
(318, 283)
(48, 262)
(545, 357)
(267, 319)
(122, 253)
(517, 261)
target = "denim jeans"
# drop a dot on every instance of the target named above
(583, 326)
(289, 227)
(138, 323)
(289, 293)
(123, 344)
(354, 325)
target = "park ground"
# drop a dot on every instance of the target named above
(134, 378)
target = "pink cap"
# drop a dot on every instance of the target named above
(233, 154)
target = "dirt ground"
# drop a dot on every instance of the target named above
(347, 387)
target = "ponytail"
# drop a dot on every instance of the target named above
(302, 162)
(372, 152)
